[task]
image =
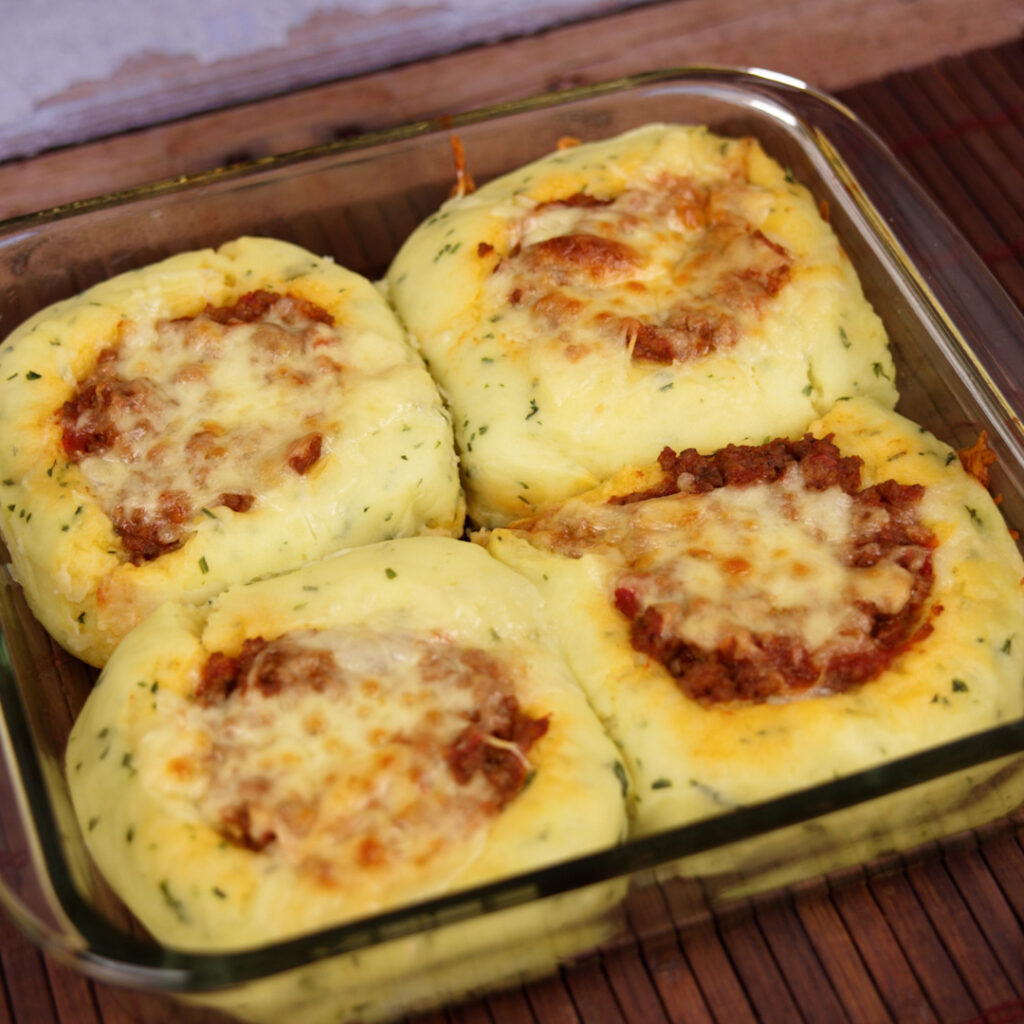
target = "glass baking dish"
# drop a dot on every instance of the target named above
(956, 339)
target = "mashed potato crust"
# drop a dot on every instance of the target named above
(956, 671)
(233, 819)
(261, 440)
(669, 283)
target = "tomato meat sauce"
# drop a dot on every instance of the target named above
(764, 666)
(160, 427)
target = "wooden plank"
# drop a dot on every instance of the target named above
(952, 195)
(902, 132)
(633, 987)
(834, 944)
(989, 128)
(762, 979)
(73, 995)
(671, 973)
(120, 1007)
(719, 982)
(1005, 859)
(677, 984)
(992, 912)
(889, 34)
(806, 977)
(469, 1013)
(509, 1007)
(956, 927)
(977, 104)
(946, 127)
(913, 929)
(551, 1003)
(24, 971)
(593, 996)
(434, 1017)
(335, 44)
(1000, 70)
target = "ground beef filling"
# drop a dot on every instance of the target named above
(774, 665)
(149, 433)
(436, 727)
(669, 270)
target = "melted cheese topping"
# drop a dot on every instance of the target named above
(669, 268)
(763, 559)
(209, 413)
(346, 768)
(739, 563)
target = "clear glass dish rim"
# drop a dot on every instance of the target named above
(398, 133)
(110, 955)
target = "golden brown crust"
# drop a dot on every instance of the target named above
(956, 670)
(366, 451)
(331, 787)
(664, 286)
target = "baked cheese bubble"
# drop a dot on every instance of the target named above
(387, 725)
(757, 619)
(212, 418)
(578, 310)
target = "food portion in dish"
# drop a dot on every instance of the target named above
(209, 419)
(757, 619)
(583, 311)
(714, 565)
(388, 724)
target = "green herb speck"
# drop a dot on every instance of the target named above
(172, 901)
(620, 774)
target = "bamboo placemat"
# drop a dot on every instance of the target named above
(957, 126)
(940, 939)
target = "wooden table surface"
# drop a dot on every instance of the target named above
(942, 81)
